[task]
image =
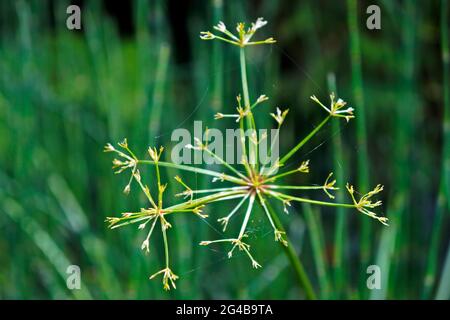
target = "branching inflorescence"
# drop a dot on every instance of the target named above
(254, 185)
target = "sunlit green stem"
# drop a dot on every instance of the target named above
(158, 178)
(146, 192)
(317, 202)
(301, 143)
(218, 190)
(253, 147)
(196, 170)
(206, 199)
(150, 232)
(166, 244)
(134, 219)
(244, 148)
(224, 163)
(266, 210)
(278, 176)
(274, 140)
(226, 40)
(178, 210)
(233, 212)
(247, 216)
(222, 240)
(283, 187)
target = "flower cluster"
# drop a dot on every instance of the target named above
(243, 36)
(249, 186)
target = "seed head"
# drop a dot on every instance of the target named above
(279, 116)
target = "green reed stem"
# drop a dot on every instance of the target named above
(394, 237)
(444, 188)
(443, 291)
(318, 249)
(407, 135)
(159, 90)
(340, 231)
(217, 60)
(433, 253)
(446, 85)
(361, 131)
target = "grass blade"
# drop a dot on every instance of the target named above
(361, 130)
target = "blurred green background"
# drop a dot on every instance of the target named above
(139, 70)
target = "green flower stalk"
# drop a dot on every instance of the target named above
(254, 185)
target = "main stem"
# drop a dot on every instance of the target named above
(295, 261)
(296, 264)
